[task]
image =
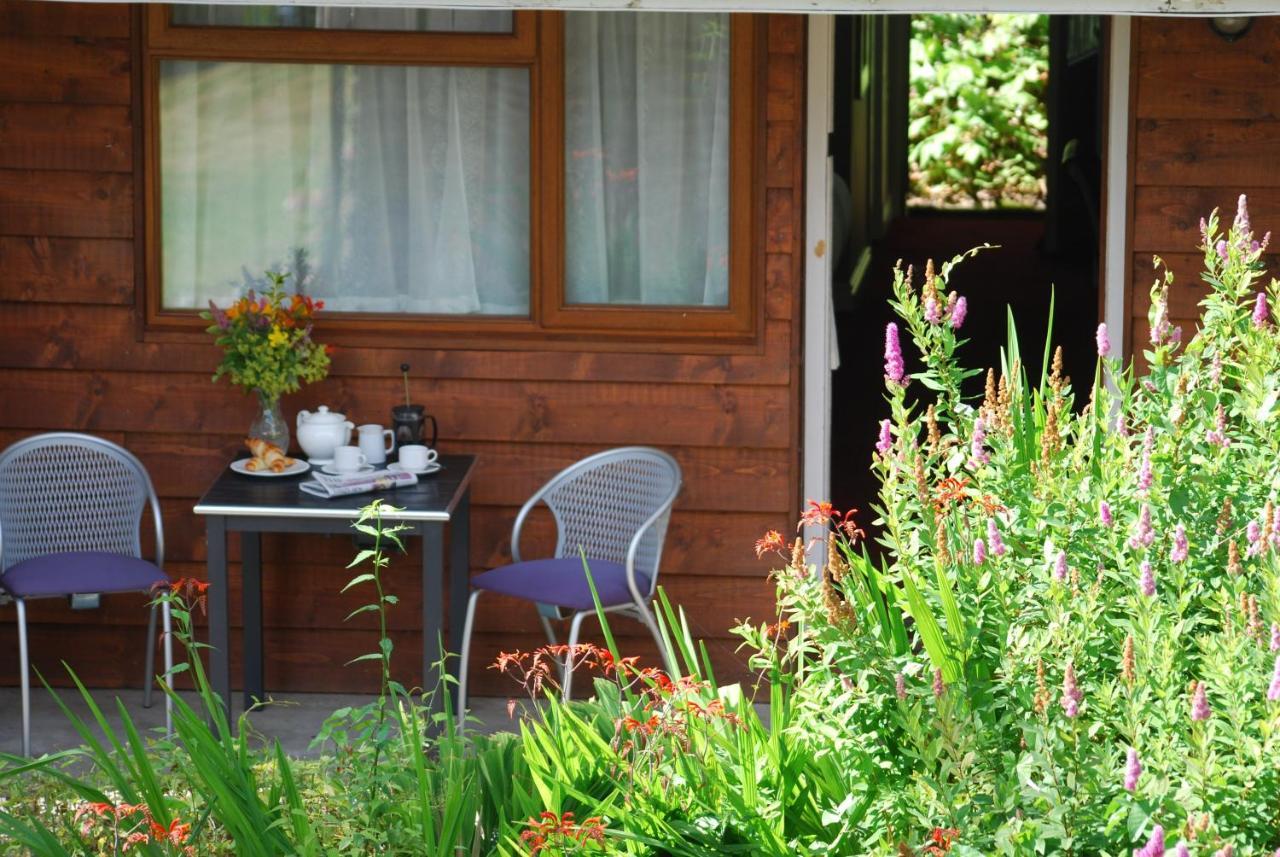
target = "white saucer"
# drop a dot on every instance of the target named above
(397, 467)
(333, 471)
(298, 466)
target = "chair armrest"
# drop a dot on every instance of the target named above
(662, 513)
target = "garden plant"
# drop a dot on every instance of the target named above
(1064, 638)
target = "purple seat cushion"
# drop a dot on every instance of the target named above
(80, 571)
(561, 582)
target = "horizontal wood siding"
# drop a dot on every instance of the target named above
(73, 356)
(1205, 128)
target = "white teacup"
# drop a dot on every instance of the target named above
(348, 459)
(417, 457)
(375, 442)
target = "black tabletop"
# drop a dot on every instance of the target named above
(432, 499)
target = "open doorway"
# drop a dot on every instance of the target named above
(950, 132)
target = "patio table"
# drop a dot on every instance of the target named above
(253, 505)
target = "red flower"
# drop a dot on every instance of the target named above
(940, 841)
(772, 541)
(817, 515)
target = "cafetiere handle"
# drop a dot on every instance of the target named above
(434, 432)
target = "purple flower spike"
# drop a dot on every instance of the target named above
(1260, 310)
(1223, 253)
(932, 310)
(1155, 845)
(1071, 695)
(978, 455)
(1104, 341)
(1242, 214)
(1143, 534)
(900, 687)
(958, 312)
(1227, 850)
(1148, 581)
(1104, 514)
(1132, 770)
(1275, 637)
(1060, 567)
(938, 687)
(993, 538)
(1181, 850)
(1199, 704)
(1179, 551)
(894, 369)
(885, 444)
(979, 552)
(1273, 692)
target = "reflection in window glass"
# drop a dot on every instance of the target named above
(647, 158)
(388, 189)
(343, 18)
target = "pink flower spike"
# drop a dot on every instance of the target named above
(1071, 695)
(938, 687)
(1242, 215)
(1143, 534)
(993, 538)
(1227, 850)
(1273, 692)
(958, 312)
(1260, 312)
(1180, 547)
(1181, 850)
(885, 444)
(1132, 770)
(1222, 251)
(1060, 567)
(894, 368)
(1275, 637)
(1104, 514)
(932, 310)
(1104, 341)
(1155, 845)
(1199, 704)
(978, 455)
(1148, 581)
(900, 687)
(979, 552)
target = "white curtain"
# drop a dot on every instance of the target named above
(343, 18)
(647, 158)
(406, 188)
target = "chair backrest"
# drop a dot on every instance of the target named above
(72, 492)
(607, 500)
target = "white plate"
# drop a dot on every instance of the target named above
(397, 467)
(333, 471)
(298, 466)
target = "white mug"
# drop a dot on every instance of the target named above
(375, 442)
(348, 459)
(416, 457)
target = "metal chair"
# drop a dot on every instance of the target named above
(70, 524)
(615, 506)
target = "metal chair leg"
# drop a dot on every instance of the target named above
(168, 666)
(24, 675)
(574, 627)
(148, 673)
(464, 660)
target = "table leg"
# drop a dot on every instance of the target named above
(219, 618)
(459, 574)
(251, 599)
(432, 608)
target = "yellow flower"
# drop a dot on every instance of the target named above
(277, 336)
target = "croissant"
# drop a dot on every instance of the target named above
(266, 456)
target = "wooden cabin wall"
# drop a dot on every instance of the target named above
(1205, 128)
(73, 355)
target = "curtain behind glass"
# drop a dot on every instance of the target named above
(342, 18)
(404, 189)
(647, 158)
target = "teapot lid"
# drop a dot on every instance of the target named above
(324, 415)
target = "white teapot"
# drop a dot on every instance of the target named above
(319, 434)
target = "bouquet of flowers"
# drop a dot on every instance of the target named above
(266, 341)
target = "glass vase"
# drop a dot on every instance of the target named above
(270, 424)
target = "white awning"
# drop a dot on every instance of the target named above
(1079, 7)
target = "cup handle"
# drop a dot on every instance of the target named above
(390, 440)
(364, 459)
(432, 455)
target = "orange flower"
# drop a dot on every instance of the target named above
(772, 541)
(817, 515)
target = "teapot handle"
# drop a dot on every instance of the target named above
(301, 414)
(434, 433)
(350, 427)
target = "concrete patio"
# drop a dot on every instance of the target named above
(293, 718)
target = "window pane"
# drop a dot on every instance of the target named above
(647, 158)
(399, 189)
(343, 18)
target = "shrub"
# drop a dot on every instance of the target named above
(977, 126)
(1069, 643)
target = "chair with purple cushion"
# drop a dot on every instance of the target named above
(71, 510)
(615, 507)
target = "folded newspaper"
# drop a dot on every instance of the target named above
(324, 485)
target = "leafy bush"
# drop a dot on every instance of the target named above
(1071, 643)
(977, 127)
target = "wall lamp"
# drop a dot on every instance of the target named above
(1231, 28)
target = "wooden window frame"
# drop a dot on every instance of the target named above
(536, 43)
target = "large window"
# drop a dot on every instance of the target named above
(541, 172)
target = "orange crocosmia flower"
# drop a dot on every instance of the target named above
(772, 541)
(950, 490)
(819, 514)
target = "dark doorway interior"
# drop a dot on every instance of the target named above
(1042, 252)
